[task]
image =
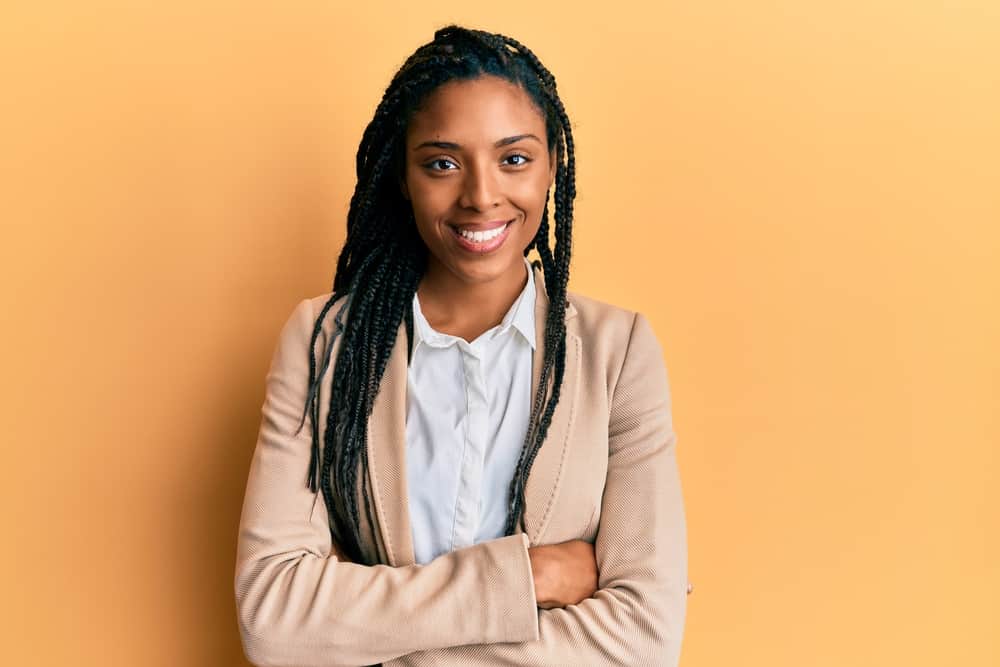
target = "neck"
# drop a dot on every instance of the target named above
(463, 309)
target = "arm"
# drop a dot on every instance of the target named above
(299, 604)
(636, 617)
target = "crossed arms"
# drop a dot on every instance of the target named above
(299, 603)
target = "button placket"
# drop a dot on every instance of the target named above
(467, 510)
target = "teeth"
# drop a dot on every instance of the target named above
(480, 237)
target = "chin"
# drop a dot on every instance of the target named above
(481, 271)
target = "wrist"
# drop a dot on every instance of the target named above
(539, 574)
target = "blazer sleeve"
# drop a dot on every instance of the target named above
(637, 615)
(299, 604)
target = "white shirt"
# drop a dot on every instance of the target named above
(467, 411)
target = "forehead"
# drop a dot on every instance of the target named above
(477, 110)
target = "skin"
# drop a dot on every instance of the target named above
(563, 574)
(465, 294)
(461, 293)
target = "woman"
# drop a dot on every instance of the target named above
(497, 470)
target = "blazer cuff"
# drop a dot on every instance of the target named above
(514, 589)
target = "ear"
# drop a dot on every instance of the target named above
(552, 169)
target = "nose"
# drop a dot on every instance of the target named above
(480, 190)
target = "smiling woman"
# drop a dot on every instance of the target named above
(496, 455)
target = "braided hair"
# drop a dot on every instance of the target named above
(383, 260)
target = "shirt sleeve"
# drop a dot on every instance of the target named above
(637, 615)
(299, 604)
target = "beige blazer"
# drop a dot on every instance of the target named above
(606, 473)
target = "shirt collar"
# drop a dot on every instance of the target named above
(521, 316)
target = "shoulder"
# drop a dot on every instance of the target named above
(614, 337)
(318, 302)
(595, 318)
(300, 322)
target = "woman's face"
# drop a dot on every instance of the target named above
(476, 160)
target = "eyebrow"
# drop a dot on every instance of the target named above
(450, 145)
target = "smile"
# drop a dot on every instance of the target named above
(482, 242)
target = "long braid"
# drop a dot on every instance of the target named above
(383, 260)
(556, 281)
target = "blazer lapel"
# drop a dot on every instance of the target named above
(386, 442)
(542, 485)
(387, 460)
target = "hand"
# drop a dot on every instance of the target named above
(563, 574)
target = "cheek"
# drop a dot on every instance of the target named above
(430, 199)
(430, 206)
(530, 198)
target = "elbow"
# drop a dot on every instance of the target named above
(287, 618)
(666, 627)
(659, 634)
(665, 642)
(258, 647)
(262, 646)
(268, 632)
(655, 629)
(259, 654)
(267, 645)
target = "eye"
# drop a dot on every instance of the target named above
(429, 165)
(524, 159)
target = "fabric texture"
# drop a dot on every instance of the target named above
(606, 472)
(467, 412)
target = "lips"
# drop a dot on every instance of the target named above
(482, 247)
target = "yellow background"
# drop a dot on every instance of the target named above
(802, 196)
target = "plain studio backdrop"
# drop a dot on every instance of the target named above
(801, 196)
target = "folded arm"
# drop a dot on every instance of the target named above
(299, 603)
(636, 617)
